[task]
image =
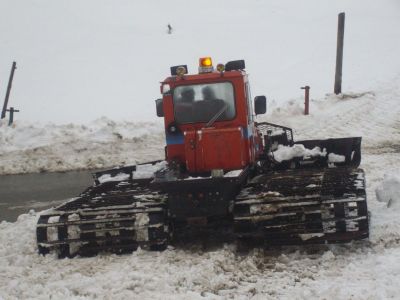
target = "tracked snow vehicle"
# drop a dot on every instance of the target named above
(220, 165)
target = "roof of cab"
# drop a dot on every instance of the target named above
(204, 77)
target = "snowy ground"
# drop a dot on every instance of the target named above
(367, 270)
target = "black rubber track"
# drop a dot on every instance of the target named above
(116, 217)
(308, 206)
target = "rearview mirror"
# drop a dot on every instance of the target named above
(159, 108)
(260, 105)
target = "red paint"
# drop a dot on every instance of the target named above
(213, 148)
(225, 145)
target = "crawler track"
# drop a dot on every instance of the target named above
(304, 206)
(113, 216)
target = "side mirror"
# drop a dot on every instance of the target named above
(260, 105)
(159, 108)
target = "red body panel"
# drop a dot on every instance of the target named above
(227, 145)
(212, 148)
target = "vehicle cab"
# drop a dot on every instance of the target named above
(209, 117)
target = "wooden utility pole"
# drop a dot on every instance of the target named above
(306, 99)
(339, 54)
(3, 112)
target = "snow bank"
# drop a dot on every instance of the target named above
(389, 190)
(28, 147)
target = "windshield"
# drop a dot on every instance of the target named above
(202, 102)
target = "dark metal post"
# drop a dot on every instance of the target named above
(12, 111)
(3, 112)
(339, 54)
(306, 99)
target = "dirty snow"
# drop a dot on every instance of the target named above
(389, 190)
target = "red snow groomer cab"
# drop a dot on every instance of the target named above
(209, 118)
(221, 167)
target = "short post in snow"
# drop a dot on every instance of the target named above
(339, 54)
(306, 99)
(12, 111)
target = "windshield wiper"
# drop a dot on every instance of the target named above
(217, 115)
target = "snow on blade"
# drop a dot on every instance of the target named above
(148, 170)
(335, 158)
(307, 236)
(233, 173)
(298, 150)
(108, 177)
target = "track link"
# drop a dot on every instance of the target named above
(114, 216)
(305, 206)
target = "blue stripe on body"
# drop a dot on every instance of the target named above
(178, 139)
(248, 132)
(175, 139)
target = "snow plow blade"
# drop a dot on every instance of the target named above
(117, 216)
(340, 152)
(306, 206)
(347, 149)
